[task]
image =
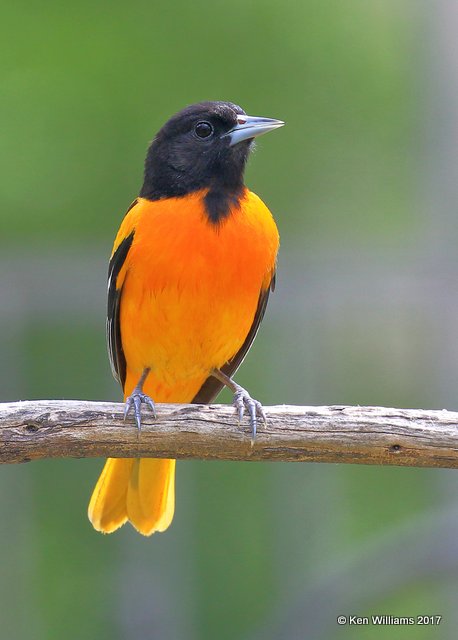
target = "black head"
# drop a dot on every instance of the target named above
(205, 145)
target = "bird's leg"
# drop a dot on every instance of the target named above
(135, 400)
(242, 401)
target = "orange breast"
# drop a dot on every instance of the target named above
(191, 289)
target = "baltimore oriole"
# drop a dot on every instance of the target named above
(188, 282)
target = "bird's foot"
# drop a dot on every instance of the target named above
(243, 401)
(135, 401)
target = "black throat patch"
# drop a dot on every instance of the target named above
(219, 202)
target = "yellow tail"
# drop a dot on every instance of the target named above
(141, 490)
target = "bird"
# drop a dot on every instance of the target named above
(189, 277)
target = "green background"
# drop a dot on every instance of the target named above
(362, 184)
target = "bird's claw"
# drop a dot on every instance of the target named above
(135, 401)
(242, 401)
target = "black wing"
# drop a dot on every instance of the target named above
(211, 387)
(115, 350)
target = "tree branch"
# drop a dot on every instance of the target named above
(365, 435)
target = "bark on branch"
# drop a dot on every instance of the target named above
(365, 435)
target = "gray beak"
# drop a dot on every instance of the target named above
(251, 127)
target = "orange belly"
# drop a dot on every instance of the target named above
(191, 289)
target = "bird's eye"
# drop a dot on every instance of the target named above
(203, 129)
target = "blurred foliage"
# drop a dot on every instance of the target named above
(85, 86)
